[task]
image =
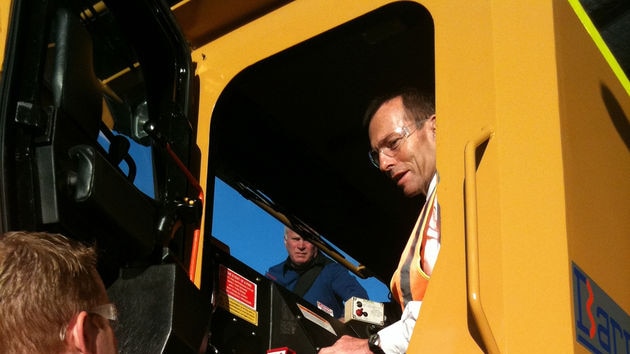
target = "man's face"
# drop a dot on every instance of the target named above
(412, 164)
(300, 251)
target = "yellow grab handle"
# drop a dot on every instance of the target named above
(472, 250)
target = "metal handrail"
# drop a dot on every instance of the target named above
(472, 249)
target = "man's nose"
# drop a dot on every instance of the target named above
(385, 162)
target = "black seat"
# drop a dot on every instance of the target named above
(82, 189)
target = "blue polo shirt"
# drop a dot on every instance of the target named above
(332, 287)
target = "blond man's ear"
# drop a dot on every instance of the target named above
(81, 333)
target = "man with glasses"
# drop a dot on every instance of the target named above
(402, 133)
(52, 299)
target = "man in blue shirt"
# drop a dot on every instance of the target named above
(318, 279)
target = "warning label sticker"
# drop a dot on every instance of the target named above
(238, 309)
(237, 286)
(315, 318)
(241, 295)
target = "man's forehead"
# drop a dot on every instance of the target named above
(291, 233)
(388, 117)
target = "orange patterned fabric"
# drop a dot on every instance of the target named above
(410, 280)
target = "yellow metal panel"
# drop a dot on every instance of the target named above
(537, 283)
(519, 68)
(595, 110)
(205, 20)
(5, 9)
(464, 98)
(601, 44)
(536, 286)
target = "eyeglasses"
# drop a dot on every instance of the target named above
(107, 311)
(390, 145)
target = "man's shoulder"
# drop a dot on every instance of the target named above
(276, 271)
(335, 269)
(277, 267)
(324, 260)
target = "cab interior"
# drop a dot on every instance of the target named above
(111, 112)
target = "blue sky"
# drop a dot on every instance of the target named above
(255, 237)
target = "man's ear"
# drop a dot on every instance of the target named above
(431, 120)
(79, 333)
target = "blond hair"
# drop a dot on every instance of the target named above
(45, 279)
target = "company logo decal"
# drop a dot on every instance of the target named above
(600, 324)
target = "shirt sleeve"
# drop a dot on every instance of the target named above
(395, 337)
(347, 286)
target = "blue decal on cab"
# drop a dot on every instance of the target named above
(600, 324)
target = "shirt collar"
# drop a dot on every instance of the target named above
(318, 260)
(433, 184)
